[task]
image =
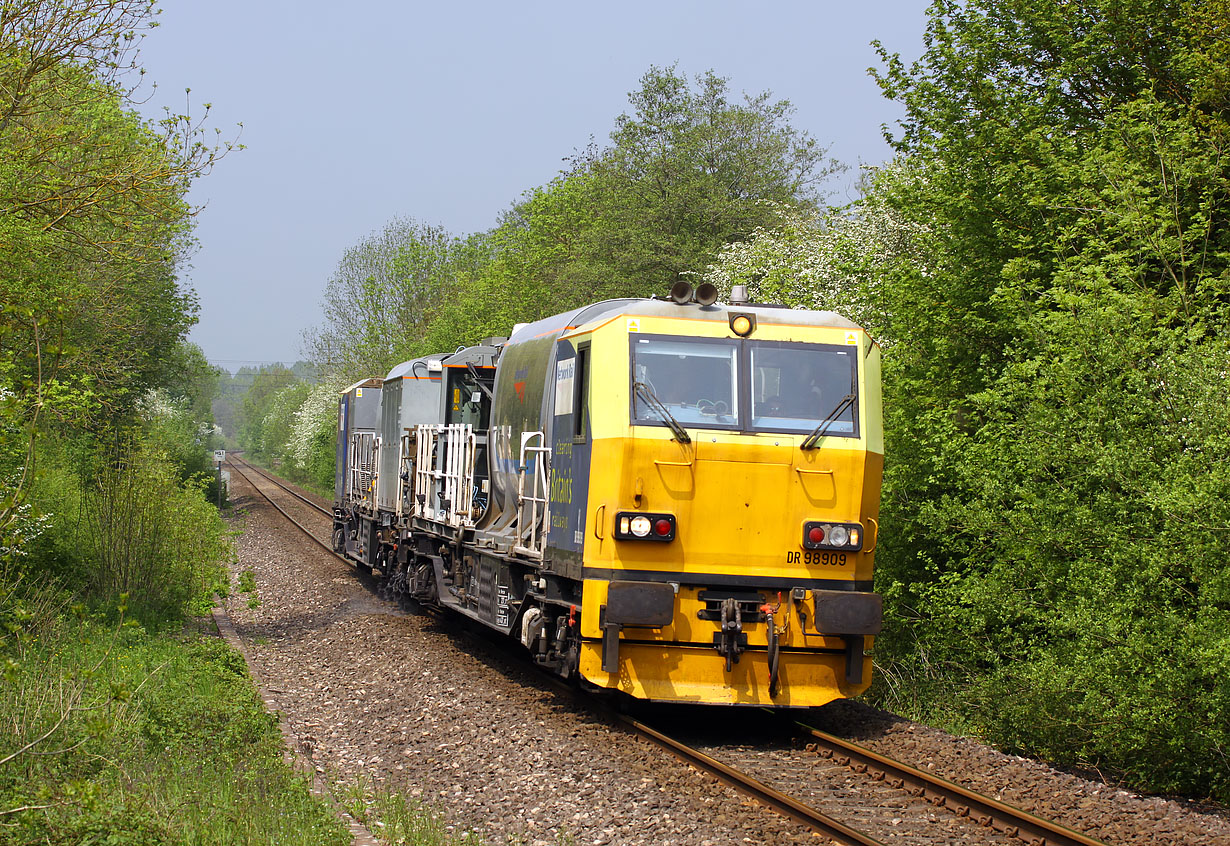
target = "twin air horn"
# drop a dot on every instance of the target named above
(682, 292)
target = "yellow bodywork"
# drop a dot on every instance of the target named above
(740, 501)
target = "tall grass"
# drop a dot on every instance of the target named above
(126, 521)
(112, 734)
(116, 726)
(147, 535)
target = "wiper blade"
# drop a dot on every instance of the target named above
(478, 380)
(646, 393)
(813, 440)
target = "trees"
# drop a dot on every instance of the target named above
(830, 260)
(92, 222)
(267, 383)
(1055, 392)
(688, 171)
(386, 291)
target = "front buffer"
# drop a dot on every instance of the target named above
(666, 642)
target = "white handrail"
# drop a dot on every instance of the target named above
(532, 524)
(444, 472)
(364, 467)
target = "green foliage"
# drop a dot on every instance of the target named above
(93, 223)
(1055, 500)
(394, 818)
(140, 738)
(386, 291)
(687, 173)
(311, 452)
(265, 387)
(279, 419)
(832, 260)
(126, 523)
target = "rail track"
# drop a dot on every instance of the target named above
(975, 818)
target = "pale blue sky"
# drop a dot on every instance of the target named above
(358, 112)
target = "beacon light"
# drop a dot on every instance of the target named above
(742, 324)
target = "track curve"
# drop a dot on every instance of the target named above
(981, 812)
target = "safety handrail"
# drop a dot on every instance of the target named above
(363, 464)
(444, 472)
(532, 522)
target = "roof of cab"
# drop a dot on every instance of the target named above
(406, 368)
(559, 323)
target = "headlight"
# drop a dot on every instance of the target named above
(640, 526)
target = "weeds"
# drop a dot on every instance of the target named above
(395, 819)
(247, 584)
(143, 738)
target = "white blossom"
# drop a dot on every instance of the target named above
(319, 408)
(832, 261)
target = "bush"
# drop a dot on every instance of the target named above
(127, 525)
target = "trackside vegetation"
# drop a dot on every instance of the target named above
(121, 720)
(1046, 263)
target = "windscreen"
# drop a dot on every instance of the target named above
(795, 387)
(695, 379)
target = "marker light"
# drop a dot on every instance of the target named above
(663, 526)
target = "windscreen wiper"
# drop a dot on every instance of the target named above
(813, 440)
(473, 371)
(646, 393)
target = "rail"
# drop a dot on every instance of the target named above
(982, 810)
(944, 794)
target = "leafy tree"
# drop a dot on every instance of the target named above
(688, 171)
(1056, 391)
(312, 445)
(385, 292)
(92, 224)
(828, 260)
(267, 383)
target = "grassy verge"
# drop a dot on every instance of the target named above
(139, 737)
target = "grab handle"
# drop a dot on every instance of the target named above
(599, 515)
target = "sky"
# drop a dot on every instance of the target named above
(356, 113)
